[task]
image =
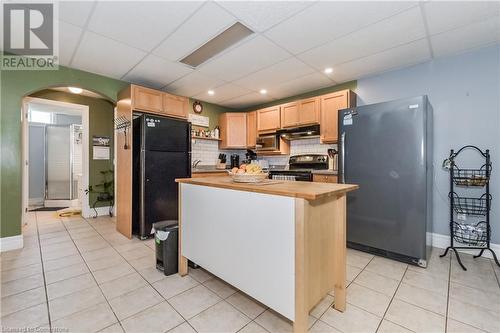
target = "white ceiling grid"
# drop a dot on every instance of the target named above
(142, 41)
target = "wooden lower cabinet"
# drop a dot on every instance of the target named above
(325, 178)
(330, 106)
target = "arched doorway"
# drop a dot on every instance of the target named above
(97, 115)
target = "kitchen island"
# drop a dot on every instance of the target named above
(283, 243)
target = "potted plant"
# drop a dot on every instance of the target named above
(104, 190)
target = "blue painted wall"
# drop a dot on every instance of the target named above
(465, 93)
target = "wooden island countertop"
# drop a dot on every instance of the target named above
(304, 190)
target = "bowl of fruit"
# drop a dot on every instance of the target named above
(248, 173)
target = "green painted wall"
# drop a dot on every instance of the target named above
(14, 85)
(346, 85)
(100, 123)
(212, 111)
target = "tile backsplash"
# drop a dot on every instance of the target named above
(208, 151)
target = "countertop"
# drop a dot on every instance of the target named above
(304, 190)
(206, 169)
(325, 172)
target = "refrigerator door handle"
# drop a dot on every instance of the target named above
(342, 166)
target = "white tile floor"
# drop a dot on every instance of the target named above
(82, 276)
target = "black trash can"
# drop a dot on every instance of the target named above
(166, 239)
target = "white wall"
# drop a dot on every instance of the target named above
(465, 93)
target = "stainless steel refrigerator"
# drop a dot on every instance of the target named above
(161, 153)
(386, 149)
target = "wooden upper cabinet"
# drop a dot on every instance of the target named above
(289, 114)
(175, 106)
(233, 130)
(300, 113)
(251, 129)
(309, 111)
(268, 119)
(146, 99)
(159, 102)
(330, 105)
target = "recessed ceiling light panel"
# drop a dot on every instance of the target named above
(328, 70)
(216, 45)
(263, 91)
(211, 92)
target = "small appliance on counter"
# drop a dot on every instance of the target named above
(221, 162)
(300, 167)
(235, 161)
(250, 156)
(333, 159)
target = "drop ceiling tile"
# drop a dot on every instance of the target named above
(140, 24)
(205, 24)
(325, 21)
(98, 54)
(69, 35)
(246, 100)
(401, 56)
(261, 15)
(446, 15)
(75, 12)
(193, 84)
(247, 57)
(468, 37)
(156, 72)
(269, 77)
(301, 85)
(369, 40)
(222, 93)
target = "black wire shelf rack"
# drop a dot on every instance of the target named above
(471, 234)
(471, 206)
(475, 235)
(472, 177)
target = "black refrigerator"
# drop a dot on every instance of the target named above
(161, 153)
(386, 149)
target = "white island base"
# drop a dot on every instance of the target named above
(286, 251)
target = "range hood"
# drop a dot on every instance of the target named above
(299, 132)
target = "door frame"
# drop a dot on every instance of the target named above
(25, 150)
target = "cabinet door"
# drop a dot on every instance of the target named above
(268, 119)
(251, 129)
(147, 99)
(309, 111)
(175, 106)
(289, 114)
(233, 127)
(325, 178)
(330, 105)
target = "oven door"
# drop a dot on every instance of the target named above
(291, 176)
(268, 143)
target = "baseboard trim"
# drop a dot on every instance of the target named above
(101, 211)
(11, 243)
(443, 241)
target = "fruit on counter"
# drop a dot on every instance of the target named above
(253, 169)
(243, 166)
(240, 171)
(234, 170)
